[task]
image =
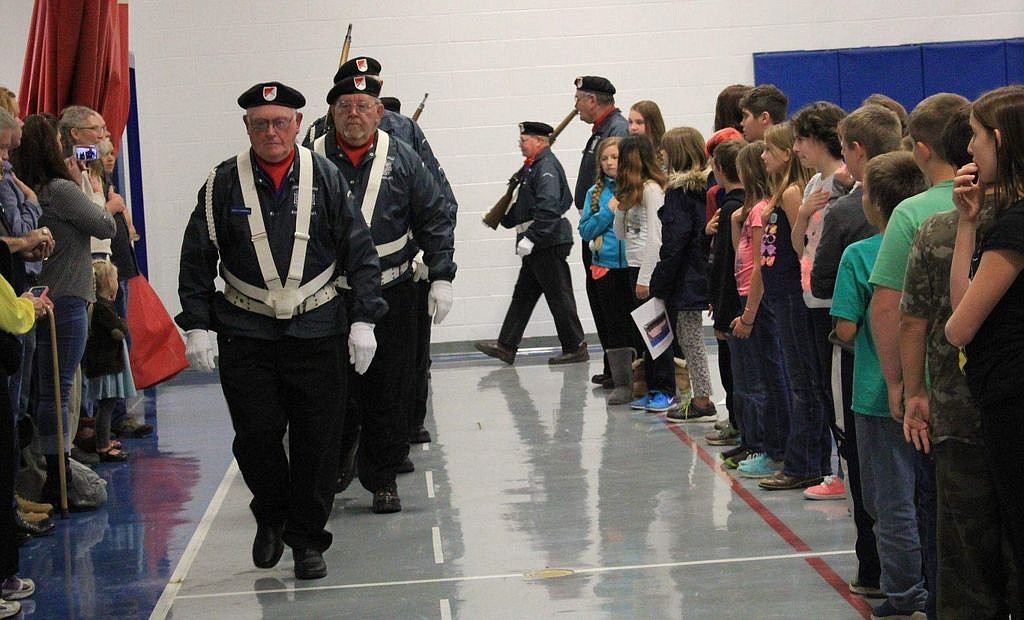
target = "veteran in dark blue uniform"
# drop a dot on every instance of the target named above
(543, 240)
(406, 211)
(405, 129)
(278, 224)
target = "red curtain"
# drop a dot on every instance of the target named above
(77, 54)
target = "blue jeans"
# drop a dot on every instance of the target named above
(20, 380)
(121, 305)
(809, 443)
(888, 469)
(69, 314)
(760, 385)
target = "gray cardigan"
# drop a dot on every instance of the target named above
(73, 219)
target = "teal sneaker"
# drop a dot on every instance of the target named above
(758, 465)
(642, 402)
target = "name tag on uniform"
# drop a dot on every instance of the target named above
(242, 210)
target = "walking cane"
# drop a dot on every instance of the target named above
(60, 417)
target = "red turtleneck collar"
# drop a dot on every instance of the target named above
(277, 171)
(601, 119)
(355, 154)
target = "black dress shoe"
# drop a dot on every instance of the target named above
(309, 564)
(407, 466)
(497, 350)
(42, 528)
(420, 435)
(579, 355)
(386, 500)
(267, 547)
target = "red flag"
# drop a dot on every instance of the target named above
(77, 54)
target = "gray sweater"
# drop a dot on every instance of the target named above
(73, 219)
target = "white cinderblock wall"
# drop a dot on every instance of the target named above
(487, 65)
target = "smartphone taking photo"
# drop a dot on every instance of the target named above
(39, 291)
(86, 153)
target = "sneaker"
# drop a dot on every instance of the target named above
(642, 402)
(9, 608)
(722, 424)
(830, 488)
(15, 589)
(660, 402)
(781, 481)
(886, 611)
(758, 465)
(690, 414)
(731, 452)
(865, 591)
(728, 436)
(732, 462)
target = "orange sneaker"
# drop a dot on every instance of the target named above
(830, 488)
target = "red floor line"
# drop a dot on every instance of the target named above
(823, 569)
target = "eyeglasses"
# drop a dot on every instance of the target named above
(262, 125)
(359, 106)
(96, 128)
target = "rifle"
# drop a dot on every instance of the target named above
(419, 108)
(345, 46)
(493, 217)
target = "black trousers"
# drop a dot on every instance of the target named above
(421, 379)
(380, 404)
(616, 290)
(295, 385)
(544, 272)
(8, 448)
(594, 297)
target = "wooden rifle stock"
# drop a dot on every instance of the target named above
(345, 46)
(419, 108)
(493, 217)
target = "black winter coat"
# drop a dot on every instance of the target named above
(680, 278)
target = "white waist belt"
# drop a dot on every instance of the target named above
(386, 275)
(326, 293)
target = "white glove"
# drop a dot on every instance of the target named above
(361, 346)
(420, 271)
(439, 301)
(199, 350)
(524, 247)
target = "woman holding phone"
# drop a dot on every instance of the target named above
(73, 219)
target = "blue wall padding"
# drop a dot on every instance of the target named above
(1015, 61)
(894, 71)
(965, 68)
(907, 73)
(790, 72)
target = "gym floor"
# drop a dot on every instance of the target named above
(534, 500)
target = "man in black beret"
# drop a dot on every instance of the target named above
(407, 130)
(276, 222)
(595, 101)
(407, 213)
(543, 240)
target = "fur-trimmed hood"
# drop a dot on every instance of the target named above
(691, 180)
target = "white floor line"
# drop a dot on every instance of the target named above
(163, 605)
(446, 609)
(438, 553)
(577, 571)
(430, 484)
